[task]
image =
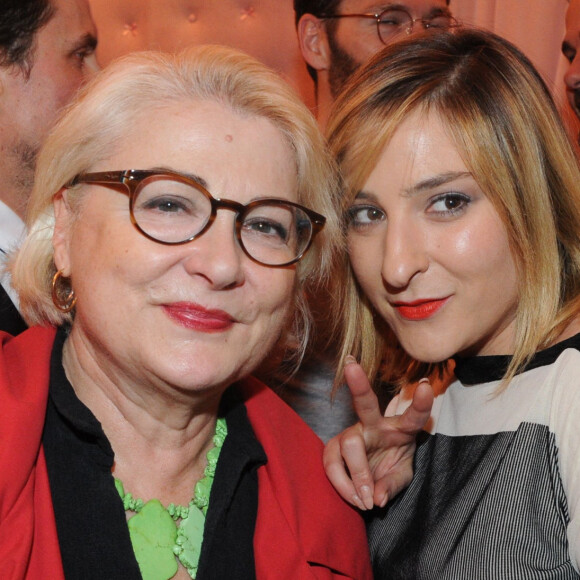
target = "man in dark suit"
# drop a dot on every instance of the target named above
(46, 50)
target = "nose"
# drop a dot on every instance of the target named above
(216, 255)
(405, 254)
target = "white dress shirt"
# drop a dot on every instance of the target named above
(12, 232)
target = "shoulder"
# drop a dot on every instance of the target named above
(297, 504)
(26, 357)
(272, 419)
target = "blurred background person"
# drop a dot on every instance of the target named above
(336, 37)
(46, 51)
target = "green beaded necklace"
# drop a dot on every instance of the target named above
(156, 536)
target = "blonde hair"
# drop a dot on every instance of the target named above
(501, 117)
(143, 84)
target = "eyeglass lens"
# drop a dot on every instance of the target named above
(393, 22)
(173, 211)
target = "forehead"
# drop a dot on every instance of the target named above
(418, 7)
(210, 140)
(420, 146)
(204, 120)
(71, 18)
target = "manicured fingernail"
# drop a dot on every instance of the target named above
(357, 501)
(349, 360)
(424, 380)
(367, 496)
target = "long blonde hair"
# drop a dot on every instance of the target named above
(501, 117)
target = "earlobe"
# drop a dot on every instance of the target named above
(62, 232)
(313, 42)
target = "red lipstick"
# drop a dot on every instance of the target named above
(419, 309)
(197, 317)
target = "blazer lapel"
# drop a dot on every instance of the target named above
(10, 319)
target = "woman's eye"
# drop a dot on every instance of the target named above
(166, 205)
(266, 227)
(363, 215)
(449, 203)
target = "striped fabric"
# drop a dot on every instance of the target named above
(497, 480)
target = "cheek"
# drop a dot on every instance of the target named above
(275, 292)
(108, 261)
(365, 255)
(479, 252)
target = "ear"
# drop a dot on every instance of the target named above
(61, 236)
(313, 41)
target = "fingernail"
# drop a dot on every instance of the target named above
(367, 496)
(424, 380)
(357, 501)
(349, 360)
(384, 501)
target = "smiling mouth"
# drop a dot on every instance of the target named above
(196, 317)
(420, 309)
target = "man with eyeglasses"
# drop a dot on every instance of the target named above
(571, 50)
(338, 36)
(46, 49)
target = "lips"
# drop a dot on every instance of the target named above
(420, 309)
(196, 317)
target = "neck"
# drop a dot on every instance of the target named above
(572, 329)
(324, 100)
(160, 435)
(17, 180)
(16, 201)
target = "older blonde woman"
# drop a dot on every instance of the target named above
(462, 211)
(178, 210)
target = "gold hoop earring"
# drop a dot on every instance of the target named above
(62, 298)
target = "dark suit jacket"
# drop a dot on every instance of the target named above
(10, 319)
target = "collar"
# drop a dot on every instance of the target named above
(12, 228)
(12, 233)
(485, 369)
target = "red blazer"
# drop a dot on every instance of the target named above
(301, 520)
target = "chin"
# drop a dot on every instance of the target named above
(427, 353)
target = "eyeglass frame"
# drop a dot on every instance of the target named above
(377, 18)
(127, 181)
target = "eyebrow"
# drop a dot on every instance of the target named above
(434, 11)
(193, 176)
(436, 181)
(421, 186)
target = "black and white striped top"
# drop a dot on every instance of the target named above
(496, 492)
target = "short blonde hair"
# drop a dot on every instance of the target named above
(501, 117)
(145, 83)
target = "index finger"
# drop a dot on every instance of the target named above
(364, 400)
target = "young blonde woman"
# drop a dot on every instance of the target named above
(461, 205)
